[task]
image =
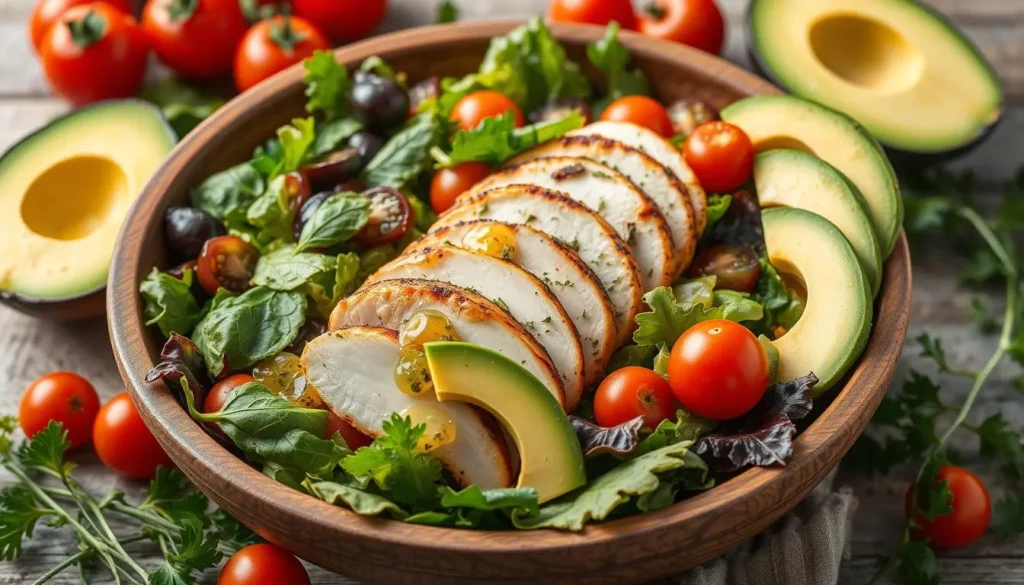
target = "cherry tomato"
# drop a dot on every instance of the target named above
(480, 105)
(631, 392)
(104, 58)
(226, 262)
(273, 45)
(697, 23)
(354, 438)
(297, 191)
(124, 443)
(343, 20)
(64, 397)
(46, 12)
(593, 12)
(642, 111)
(196, 39)
(263, 564)
(736, 267)
(972, 510)
(718, 369)
(390, 217)
(721, 155)
(448, 184)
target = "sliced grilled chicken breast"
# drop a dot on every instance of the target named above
(390, 303)
(661, 150)
(352, 369)
(524, 296)
(572, 282)
(667, 191)
(581, 229)
(612, 196)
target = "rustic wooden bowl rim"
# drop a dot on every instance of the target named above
(833, 431)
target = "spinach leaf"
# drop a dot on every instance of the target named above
(407, 154)
(240, 331)
(270, 214)
(357, 500)
(496, 139)
(326, 85)
(286, 269)
(228, 194)
(331, 136)
(335, 221)
(611, 57)
(169, 302)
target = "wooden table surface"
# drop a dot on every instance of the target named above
(31, 348)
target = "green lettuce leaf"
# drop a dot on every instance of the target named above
(228, 194)
(669, 317)
(782, 308)
(717, 205)
(496, 139)
(611, 57)
(355, 499)
(326, 85)
(169, 302)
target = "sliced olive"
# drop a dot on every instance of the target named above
(390, 217)
(737, 267)
(686, 115)
(428, 89)
(187, 230)
(367, 144)
(332, 169)
(560, 108)
(379, 102)
(227, 262)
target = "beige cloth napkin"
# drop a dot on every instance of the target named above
(804, 548)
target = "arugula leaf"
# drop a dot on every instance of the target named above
(407, 154)
(669, 318)
(184, 106)
(180, 359)
(197, 552)
(1009, 513)
(46, 450)
(611, 57)
(357, 500)
(228, 194)
(331, 136)
(447, 12)
(337, 220)
(287, 269)
(169, 302)
(717, 206)
(18, 517)
(619, 440)
(497, 140)
(326, 85)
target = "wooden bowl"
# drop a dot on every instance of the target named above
(633, 549)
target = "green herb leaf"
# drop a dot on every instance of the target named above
(233, 535)
(8, 424)
(331, 136)
(286, 269)
(196, 553)
(183, 105)
(326, 85)
(1009, 513)
(669, 317)
(932, 496)
(355, 499)
(611, 57)
(18, 517)
(447, 12)
(169, 302)
(337, 220)
(46, 450)
(407, 154)
(998, 440)
(717, 206)
(931, 347)
(228, 194)
(917, 564)
(497, 140)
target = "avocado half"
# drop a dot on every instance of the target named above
(64, 193)
(897, 67)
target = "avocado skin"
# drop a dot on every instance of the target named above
(896, 155)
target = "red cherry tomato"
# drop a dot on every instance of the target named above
(718, 370)
(972, 510)
(343, 20)
(697, 23)
(354, 438)
(124, 443)
(480, 105)
(196, 39)
(721, 155)
(735, 267)
(273, 45)
(105, 58)
(390, 218)
(64, 397)
(631, 392)
(46, 12)
(226, 262)
(448, 184)
(593, 12)
(642, 111)
(263, 564)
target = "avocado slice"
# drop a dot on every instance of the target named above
(898, 67)
(781, 121)
(791, 178)
(836, 322)
(64, 192)
(551, 460)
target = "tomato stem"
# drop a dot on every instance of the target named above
(656, 10)
(88, 30)
(284, 35)
(181, 10)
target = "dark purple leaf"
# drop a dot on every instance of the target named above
(596, 440)
(181, 359)
(740, 226)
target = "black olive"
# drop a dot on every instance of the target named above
(368, 144)
(310, 330)
(187, 230)
(308, 209)
(561, 108)
(428, 89)
(379, 102)
(332, 169)
(687, 115)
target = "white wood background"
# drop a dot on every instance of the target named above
(31, 348)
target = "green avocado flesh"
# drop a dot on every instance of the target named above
(896, 66)
(64, 192)
(550, 454)
(780, 121)
(791, 178)
(836, 323)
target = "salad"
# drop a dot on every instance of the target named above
(517, 299)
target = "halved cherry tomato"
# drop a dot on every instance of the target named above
(593, 12)
(480, 105)
(642, 111)
(195, 38)
(94, 52)
(218, 395)
(631, 392)
(735, 267)
(46, 12)
(972, 510)
(297, 191)
(390, 217)
(124, 443)
(718, 369)
(448, 184)
(697, 23)
(227, 262)
(273, 45)
(343, 20)
(263, 564)
(64, 397)
(721, 155)
(354, 438)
